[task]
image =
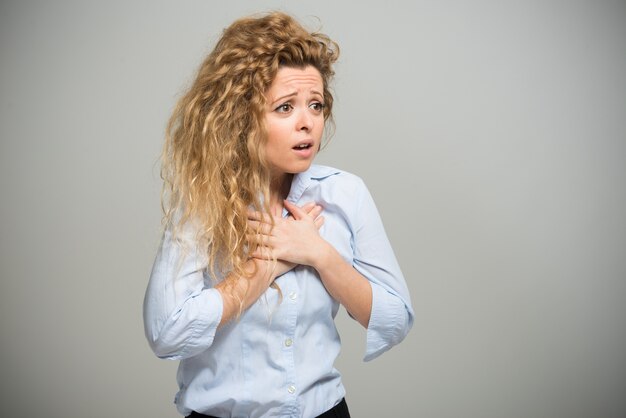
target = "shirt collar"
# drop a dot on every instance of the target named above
(302, 181)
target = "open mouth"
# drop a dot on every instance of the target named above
(303, 146)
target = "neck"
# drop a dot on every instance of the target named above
(279, 188)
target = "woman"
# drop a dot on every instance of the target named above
(261, 246)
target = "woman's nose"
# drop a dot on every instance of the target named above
(305, 121)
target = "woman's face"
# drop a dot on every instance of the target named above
(295, 120)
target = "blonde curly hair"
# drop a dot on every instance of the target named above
(213, 164)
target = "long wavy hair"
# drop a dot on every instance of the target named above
(213, 164)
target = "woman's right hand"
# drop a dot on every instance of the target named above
(238, 293)
(262, 255)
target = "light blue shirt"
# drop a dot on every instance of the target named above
(277, 358)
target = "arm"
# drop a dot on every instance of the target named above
(345, 284)
(239, 293)
(181, 312)
(392, 314)
(372, 289)
(297, 239)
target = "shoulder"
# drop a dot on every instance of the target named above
(334, 176)
(342, 188)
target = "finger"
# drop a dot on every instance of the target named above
(319, 221)
(259, 216)
(260, 227)
(262, 240)
(260, 256)
(308, 207)
(258, 239)
(316, 211)
(295, 210)
(263, 253)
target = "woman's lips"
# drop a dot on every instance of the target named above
(304, 150)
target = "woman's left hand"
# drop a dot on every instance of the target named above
(295, 239)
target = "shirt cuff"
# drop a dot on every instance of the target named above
(210, 311)
(192, 330)
(386, 326)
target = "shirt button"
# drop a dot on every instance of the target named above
(293, 295)
(288, 342)
(291, 389)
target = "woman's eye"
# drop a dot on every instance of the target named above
(284, 108)
(317, 106)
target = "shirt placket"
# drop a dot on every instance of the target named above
(289, 343)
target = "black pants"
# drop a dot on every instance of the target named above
(338, 411)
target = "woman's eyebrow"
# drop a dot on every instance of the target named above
(281, 98)
(295, 93)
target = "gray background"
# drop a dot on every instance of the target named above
(491, 134)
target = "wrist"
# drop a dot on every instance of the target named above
(325, 257)
(265, 269)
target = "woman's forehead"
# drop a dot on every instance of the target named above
(296, 79)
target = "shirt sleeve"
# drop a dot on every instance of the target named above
(392, 314)
(180, 312)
